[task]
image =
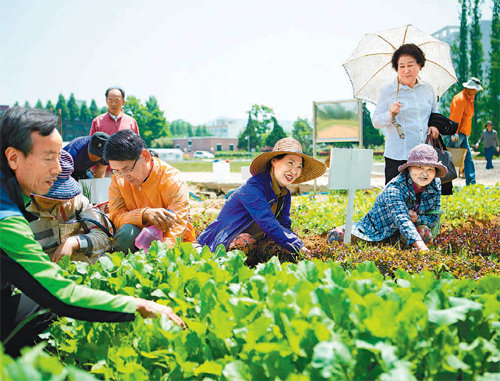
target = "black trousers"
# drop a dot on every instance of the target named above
(391, 168)
(16, 308)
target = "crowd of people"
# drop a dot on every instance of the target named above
(44, 216)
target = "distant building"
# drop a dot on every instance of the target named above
(206, 143)
(3, 108)
(231, 127)
(226, 127)
(451, 34)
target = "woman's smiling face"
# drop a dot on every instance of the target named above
(287, 169)
(422, 175)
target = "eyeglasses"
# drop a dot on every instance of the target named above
(124, 172)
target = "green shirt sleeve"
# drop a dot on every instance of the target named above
(62, 295)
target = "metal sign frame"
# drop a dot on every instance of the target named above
(337, 140)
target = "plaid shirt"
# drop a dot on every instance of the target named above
(390, 213)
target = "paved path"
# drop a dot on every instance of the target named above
(486, 177)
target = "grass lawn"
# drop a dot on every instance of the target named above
(206, 166)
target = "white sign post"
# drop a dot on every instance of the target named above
(350, 169)
(98, 189)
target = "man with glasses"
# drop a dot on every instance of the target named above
(115, 119)
(145, 191)
(33, 290)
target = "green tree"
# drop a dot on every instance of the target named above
(16, 104)
(476, 70)
(85, 113)
(38, 104)
(61, 105)
(50, 106)
(276, 133)
(459, 55)
(263, 118)
(94, 110)
(74, 110)
(371, 136)
(463, 62)
(493, 83)
(155, 124)
(249, 135)
(190, 130)
(27, 104)
(179, 127)
(103, 110)
(303, 133)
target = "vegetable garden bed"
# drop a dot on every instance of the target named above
(403, 315)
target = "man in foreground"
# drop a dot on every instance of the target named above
(29, 163)
(145, 191)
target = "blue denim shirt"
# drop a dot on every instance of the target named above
(248, 204)
(390, 213)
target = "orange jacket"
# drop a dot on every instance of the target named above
(461, 111)
(163, 189)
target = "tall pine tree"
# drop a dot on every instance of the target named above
(85, 113)
(61, 105)
(39, 104)
(476, 62)
(50, 106)
(463, 62)
(276, 133)
(94, 110)
(493, 82)
(248, 138)
(74, 110)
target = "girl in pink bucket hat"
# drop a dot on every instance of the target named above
(408, 207)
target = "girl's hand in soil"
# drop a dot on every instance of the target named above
(305, 250)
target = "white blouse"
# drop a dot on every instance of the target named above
(418, 103)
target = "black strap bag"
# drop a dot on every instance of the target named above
(444, 125)
(445, 158)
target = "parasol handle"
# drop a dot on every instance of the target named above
(397, 90)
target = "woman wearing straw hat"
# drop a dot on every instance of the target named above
(404, 108)
(56, 210)
(256, 218)
(409, 206)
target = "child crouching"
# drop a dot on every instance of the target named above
(408, 206)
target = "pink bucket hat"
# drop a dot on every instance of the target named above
(424, 154)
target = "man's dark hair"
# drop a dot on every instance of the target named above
(18, 123)
(411, 50)
(123, 145)
(115, 88)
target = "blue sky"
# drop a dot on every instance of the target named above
(201, 59)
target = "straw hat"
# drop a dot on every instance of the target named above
(65, 187)
(289, 146)
(424, 154)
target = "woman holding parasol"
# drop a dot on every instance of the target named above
(404, 108)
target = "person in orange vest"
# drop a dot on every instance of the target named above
(461, 111)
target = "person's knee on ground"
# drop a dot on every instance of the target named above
(336, 235)
(124, 239)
